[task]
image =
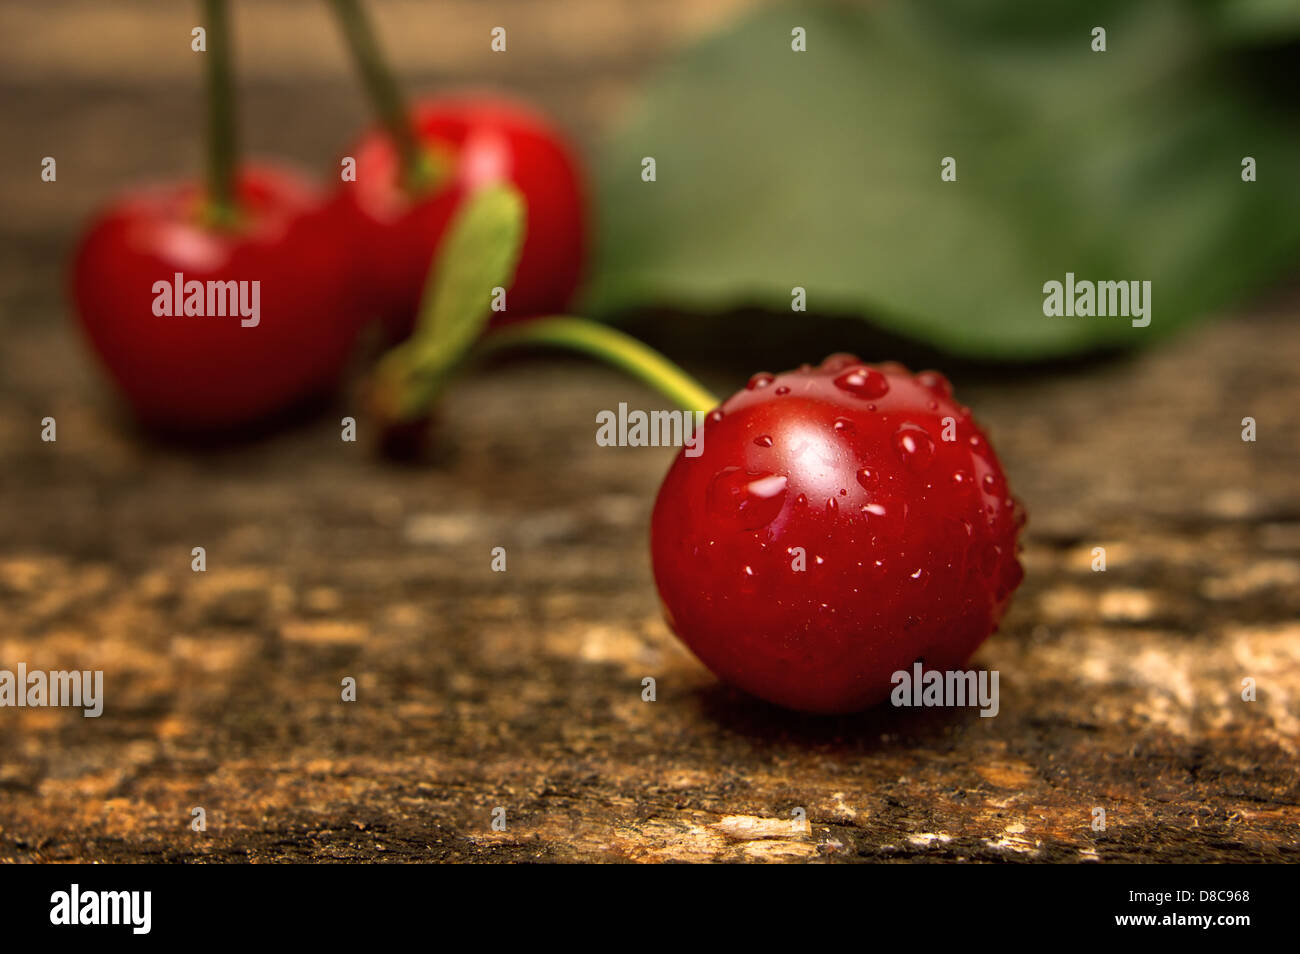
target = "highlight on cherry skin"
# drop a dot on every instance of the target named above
(842, 522)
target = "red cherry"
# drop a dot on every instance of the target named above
(841, 523)
(473, 141)
(206, 372)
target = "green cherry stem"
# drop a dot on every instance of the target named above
(222, 208)
(381, 87)
(614, 347)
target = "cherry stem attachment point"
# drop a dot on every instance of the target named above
(222, 207)
(385, 96)
(609, 345)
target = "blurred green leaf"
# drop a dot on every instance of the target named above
(1257, 20)
(479, 253)
(821, 169)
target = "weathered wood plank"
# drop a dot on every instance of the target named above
(522, 690)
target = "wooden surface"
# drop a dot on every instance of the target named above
(522, 690)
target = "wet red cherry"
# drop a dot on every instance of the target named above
(841, 523)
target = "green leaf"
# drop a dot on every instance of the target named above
(479, 253)
(1256, 20)
(821, 169)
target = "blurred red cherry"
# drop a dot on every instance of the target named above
(468, 141)
(208, 372)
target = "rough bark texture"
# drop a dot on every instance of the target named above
(1120, 690)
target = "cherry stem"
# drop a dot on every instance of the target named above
(614, 347)
(385, 97)
(222, 208)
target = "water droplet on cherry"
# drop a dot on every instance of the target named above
(745, 500)
(934, 381)
(863, 382)
(1011, 578)
(839, 361)
(915, 446)
(886, 517)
